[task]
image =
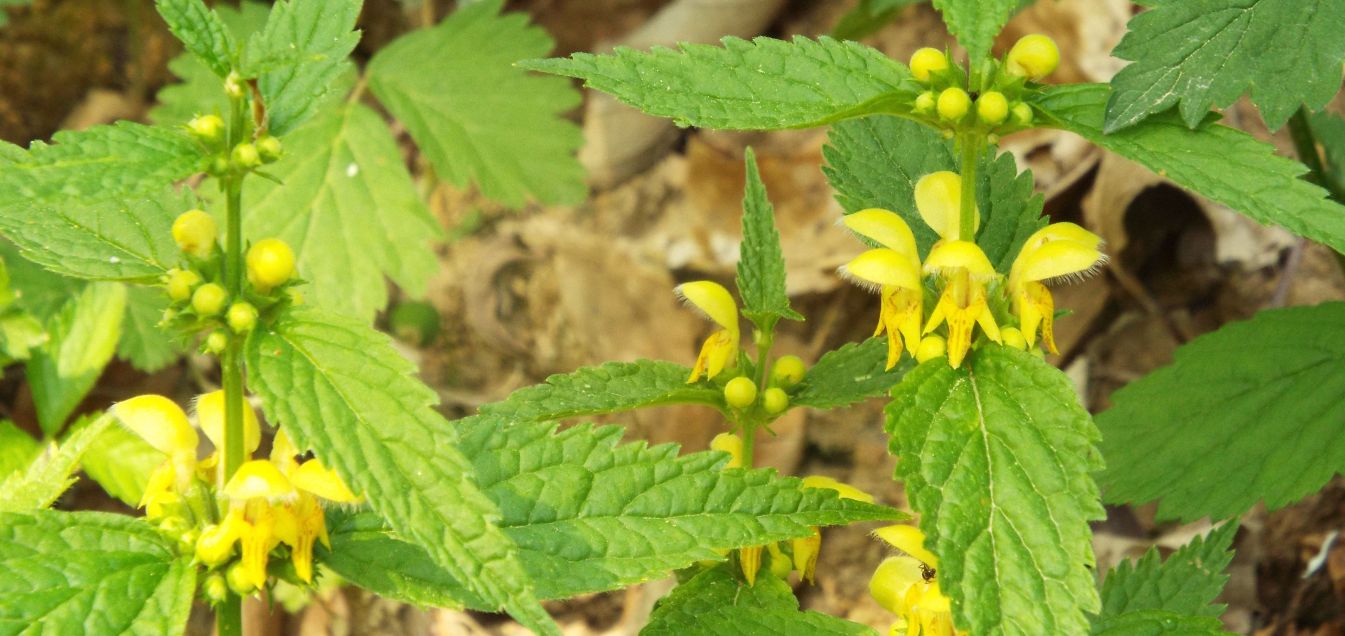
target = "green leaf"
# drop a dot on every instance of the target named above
(476, 117)
(996, 457)
(143, 343)
(1286, 53)
(17, 449)
(975, 23)
(20, 334)
(875, 162)
(83, 338)
(868, 17)
(1222, 164)
(298, 54)
(121, 463)
(366, 553)
(1158, 623)
(1329, 129)
(1186, 583)
(49, 476)
(1246, 413)
(757, 85)
(200, 90)
(338, 387)
(125, 160)
(201, 31)
(714, 602)
(37, 290)
(126, 239)
(350, 209)
(589, 514)
(90, 573)
(607, 388)
(850, 374)
(761, 268)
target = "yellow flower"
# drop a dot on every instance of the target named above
(731, 444)
(965, 271)
(807, 548)
(1057, 250)
(895, 269)
(210, 417)
(254, 493)
(162, 424)
(906, 586)
(302, 520)
(720, 350)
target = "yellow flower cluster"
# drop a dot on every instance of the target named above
(907, 586)
(267, 502)
(964, 272)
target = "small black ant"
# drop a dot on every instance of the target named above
(927, 573)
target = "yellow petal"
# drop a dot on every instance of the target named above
(216, 543)
(1035, 307)
(951, 255)
(313, 477)
(883, 267)
(885, 227)
(731, 444)
(719, 352)
(901, 313)
(283, 452)
(257, 536)
(780, 564)
(210, 415)
(932, 600)
(891, 580)
(160, 483)
(159, 421)
(846, 491)
(908, 539)
(1064, 231)
(749, 559)
(304, 523)
(938, 197)
(1059, 258)
(805, 555)
(715, 302)
(258, 478)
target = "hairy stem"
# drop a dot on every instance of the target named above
(969, 147)
(229, 614)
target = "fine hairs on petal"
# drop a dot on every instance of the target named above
(711, 300)
(1079, 276)
(868, 285)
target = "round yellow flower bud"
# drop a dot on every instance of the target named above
(209, 299)
(926, 61)
(238, 579)
(216, 342)
(1022, 114)
(953, 104)
(1012, 337)
(270, 263)
(181, 282)
(195, 232)
(269, 148)
(207, 128)
(215, 545)
(992, 108)
(1034, 57)
(245, 156)
(215, 588)
(930, 347)
(775, 401)
(924, 102)
(242, 317)
(740, 392)
(788, 371)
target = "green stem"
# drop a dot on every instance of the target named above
(764, 340)
(1305, 145)
(229, 614)
(969, 146)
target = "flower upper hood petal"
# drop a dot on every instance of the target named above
(908, 539)
(210, 415)
(882, 266)
(938, 197)
(949, 255)
(712, 300)
(159, 421)
(885, 227)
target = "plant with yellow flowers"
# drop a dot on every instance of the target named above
(348, 474)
